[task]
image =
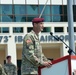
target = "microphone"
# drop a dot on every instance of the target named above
(51, 33)
(70, 51)
(57, 38)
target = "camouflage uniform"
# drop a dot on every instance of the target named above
(10, 69)
(2, 70)
(32, 49)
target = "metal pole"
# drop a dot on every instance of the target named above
(43, 9)
(74, 2)
(70, 25)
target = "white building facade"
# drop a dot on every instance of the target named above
(15, 22)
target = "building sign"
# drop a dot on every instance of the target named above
(50, 38)
(4, 39)
(43, 38)
(18, 39)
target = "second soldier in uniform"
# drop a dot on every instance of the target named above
(9, 67)
(32, 56)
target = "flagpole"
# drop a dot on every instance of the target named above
(70, 25)
(43, 9)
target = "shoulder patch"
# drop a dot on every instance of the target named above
(28, 41)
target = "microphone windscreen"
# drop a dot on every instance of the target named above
(51, 33)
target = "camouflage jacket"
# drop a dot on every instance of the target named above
(32, 55)
(2, 70)
(10, 69)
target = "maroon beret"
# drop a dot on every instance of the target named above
(37, 20)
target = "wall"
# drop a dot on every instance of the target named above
(2, 56)
(52, 53)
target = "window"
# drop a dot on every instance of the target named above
(25, 12)
(4, 29)
(65, 18)
(56, 10)
(65, 13)
(19, 9)
(19, 18)
(6, 13)
(47, 18)
(57, 18)
(0, 9)
(6, 9)
(65, 9)
(19, 13)
(29, 29)
(74, 18)
(32, 9)
(30, 18)
(17, 29)
(58, 29)
(74, 10)
(74, 29)
(46, 10)
(57, 13)
(7, 18)
(46, 29)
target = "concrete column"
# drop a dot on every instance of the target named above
(25, 30)
(52, 29)
(11, 50)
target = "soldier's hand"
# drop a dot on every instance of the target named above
(50, 62)
(47, 64)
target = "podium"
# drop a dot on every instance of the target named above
(63, 66)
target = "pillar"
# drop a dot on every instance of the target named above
(11, 50)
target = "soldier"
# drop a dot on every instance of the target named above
(9, 67)
(32, 56)
(74, 71)
(2, 70)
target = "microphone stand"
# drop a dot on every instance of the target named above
(70, 50)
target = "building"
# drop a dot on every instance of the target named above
(15, 22)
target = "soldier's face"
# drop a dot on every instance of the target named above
(40, 26)
(9, 59)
